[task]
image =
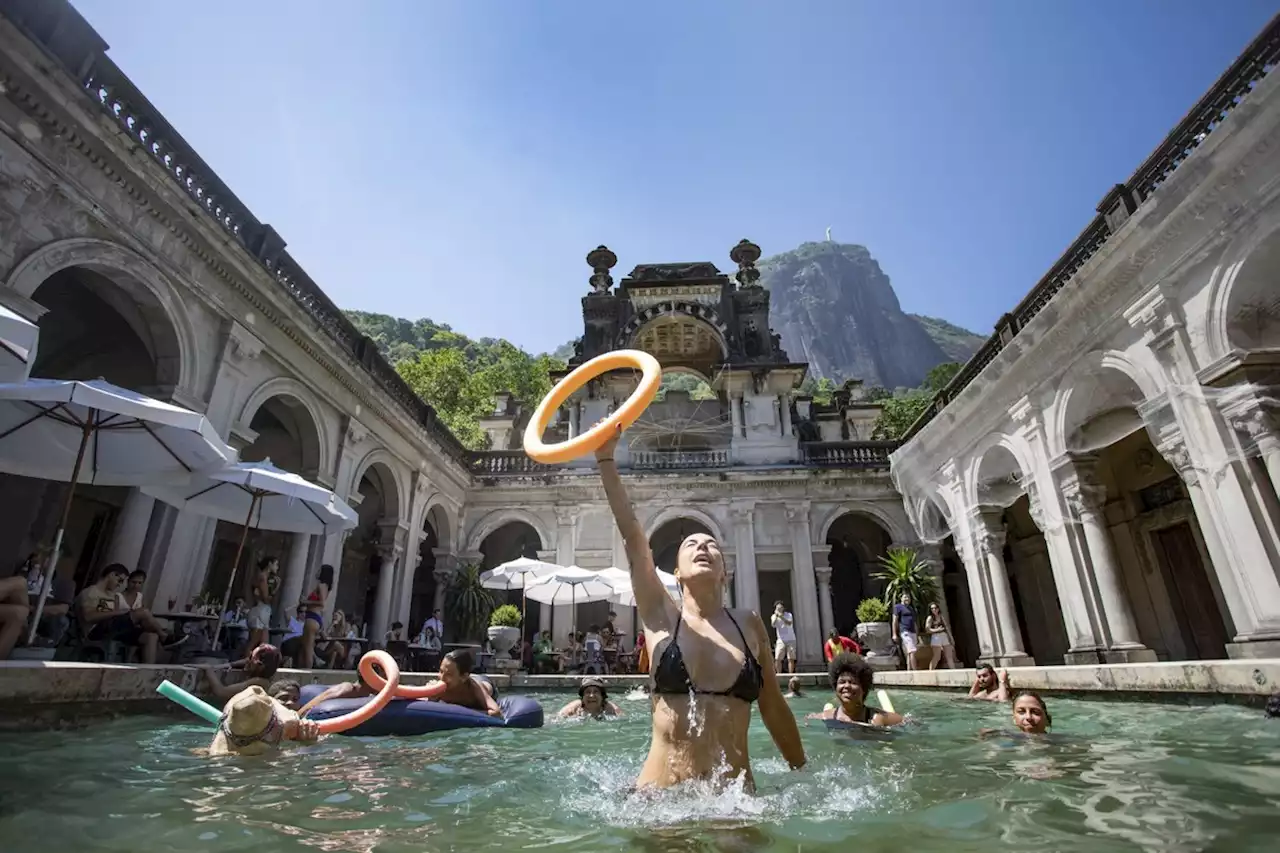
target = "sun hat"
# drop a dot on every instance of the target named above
(592, 681)
(250, 723)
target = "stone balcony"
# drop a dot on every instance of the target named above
(869, 455)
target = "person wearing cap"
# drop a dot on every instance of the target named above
(592, 701)
(258, 669)
(253, 723)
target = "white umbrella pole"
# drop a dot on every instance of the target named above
(235, 568)
(85, 433)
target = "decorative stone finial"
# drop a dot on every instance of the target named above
(745, 255)
(601, 260)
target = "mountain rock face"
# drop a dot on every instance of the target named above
(836, 309)
(959, 344)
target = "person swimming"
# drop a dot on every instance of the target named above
(852, 679)
(1030, 715)
(700, 722)
(593, 701)
(793, 688)
(461, 687)
(253, 723)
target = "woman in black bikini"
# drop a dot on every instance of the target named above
(700, 713)
(851, 679)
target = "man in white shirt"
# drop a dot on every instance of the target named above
(785, 649)
(435, 624)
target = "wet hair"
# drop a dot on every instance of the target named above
(462, 659)
(266, 658)
(847, 663)
(793, 684)
(325, 575)
(986, 667)
(278, 687)
(1272, 708)
(1031, 694)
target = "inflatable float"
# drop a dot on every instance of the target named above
(406, 717)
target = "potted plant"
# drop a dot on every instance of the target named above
(874, 630)
(468, 603)
(504, 628)
(905, 574)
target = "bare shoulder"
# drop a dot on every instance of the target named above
(752, 627)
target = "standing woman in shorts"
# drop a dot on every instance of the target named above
(313, 619)
(265, 583)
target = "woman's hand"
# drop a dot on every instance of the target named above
(604, 453)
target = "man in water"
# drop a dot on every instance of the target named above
(784, 627)
(904, 628)
(989, 687)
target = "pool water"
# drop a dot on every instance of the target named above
(1120, 776)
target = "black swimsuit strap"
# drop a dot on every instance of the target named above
(746, 647)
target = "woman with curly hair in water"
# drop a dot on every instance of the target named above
(710, 663)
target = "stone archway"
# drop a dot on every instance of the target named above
(857, 542)
(284, 429)
(427, 594)
(369, 554)
(511, 541)
(1133, 520)
(101, 321)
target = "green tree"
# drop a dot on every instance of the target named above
(898, 413)
(444, 379)
(876, 393)
(821, 390)
(938, 377)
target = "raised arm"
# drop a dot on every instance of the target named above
(655, 606)
(774, 710)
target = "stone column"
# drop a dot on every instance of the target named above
(566, 555)
(391, 555)
(728, 585)
(1251, 418)
(823, 575)
(735, 414)
(1197, 441)
(293, 578)
(575, 415)
(131, 530)
(784, 410)
(1086, 500)
(804, 587)
(746, 582)
(991, 537)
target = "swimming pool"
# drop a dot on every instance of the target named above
(1125, 776)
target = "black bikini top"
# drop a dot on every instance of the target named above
(672, 676)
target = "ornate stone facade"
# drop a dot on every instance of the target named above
(1113, 401)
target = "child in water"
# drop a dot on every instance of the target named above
(253, 723)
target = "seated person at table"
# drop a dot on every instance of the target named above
(291, 643)
(333, 652)
(851, 678)
(396, 634)
(593, 701)
(256, 670)
(544, 654)
(253, 724)
(14, 611)
(105, 615)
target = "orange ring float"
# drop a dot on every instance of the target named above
(368, 671)
(594, 438)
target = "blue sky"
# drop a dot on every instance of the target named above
(457, 160)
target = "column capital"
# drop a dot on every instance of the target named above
(566, 516)
(798, 512)
(1173, 447)
(1255, 418)
(991, 541)
(1028, 411)
(823, 574)
(742, 511)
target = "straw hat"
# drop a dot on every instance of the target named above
(592, 681)
(250, 725)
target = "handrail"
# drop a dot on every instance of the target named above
(1257, 60)
(66, 37)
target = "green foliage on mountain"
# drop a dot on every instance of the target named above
(458, 376)
(902, 409)
(959, 344)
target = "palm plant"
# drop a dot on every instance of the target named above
(467, 601)
(904, 572)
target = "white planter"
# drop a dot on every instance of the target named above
(503, 640)
(876, 639)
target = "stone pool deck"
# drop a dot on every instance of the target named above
(41, 694)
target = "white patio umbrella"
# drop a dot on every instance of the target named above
(18, 338)
(98, 433)
(518, 574)
(572, 586)
(258, 495)
(624, 595)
